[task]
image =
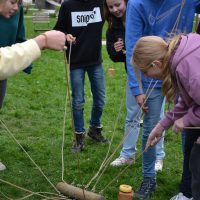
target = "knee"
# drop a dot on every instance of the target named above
(78, 105)
(100, 102)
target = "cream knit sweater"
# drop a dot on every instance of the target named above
(17, 57)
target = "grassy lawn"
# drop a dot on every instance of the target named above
(33, 112)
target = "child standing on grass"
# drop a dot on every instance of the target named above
(17, 58)
(177, 64)
(12, 31)
(115, 14)
(83, 20)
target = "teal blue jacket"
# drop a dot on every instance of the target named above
(12, 31)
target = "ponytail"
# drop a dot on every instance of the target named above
(168, 85)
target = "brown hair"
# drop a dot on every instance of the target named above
(107, 14)
(151, 48)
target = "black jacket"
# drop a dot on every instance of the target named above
(116, 31)
(82, 19)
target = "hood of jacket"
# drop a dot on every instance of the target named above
(189, 43)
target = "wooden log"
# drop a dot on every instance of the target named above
(77, 193)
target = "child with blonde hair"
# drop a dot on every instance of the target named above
(176, 63)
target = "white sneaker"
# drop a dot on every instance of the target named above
(141, 122)
(158, 165)
(2, 166)
(180, 196)
(122, 161)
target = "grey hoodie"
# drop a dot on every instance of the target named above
(185, 70)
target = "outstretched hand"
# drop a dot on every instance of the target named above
(52, 40)
(154, 136)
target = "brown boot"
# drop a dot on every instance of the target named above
(78, 144)
(95, 134)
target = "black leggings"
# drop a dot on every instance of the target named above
(187, 175)
(195, 171)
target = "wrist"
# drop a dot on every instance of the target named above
(45, 40)
(41, 40)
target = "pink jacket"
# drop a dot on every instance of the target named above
(185, 69)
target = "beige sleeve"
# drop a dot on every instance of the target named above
(17, 57)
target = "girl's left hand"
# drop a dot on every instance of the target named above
(178, 125)
(119, 45)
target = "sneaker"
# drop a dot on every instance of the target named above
(147, 187)
(180, 196)
(95, 134)
(158, 165)
(78, 144)
(141, 122)
(122, 161)
(2, 166)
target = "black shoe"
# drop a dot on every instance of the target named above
(95, 134)
(147, 187)
(78, 144)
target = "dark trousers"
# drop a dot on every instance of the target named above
(195, 171)
(3, 84)
(186, 181)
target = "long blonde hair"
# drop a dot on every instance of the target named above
(151, 48)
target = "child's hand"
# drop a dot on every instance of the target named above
(178, 125)
(140, 99)
(51, 39)
(154, 136)
(70, 38)
(119, 45)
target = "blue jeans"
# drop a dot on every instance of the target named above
(97, 84)
(151, 118)
(132, 127)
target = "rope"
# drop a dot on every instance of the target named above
(119, 174)
(128, 133)
(175, 27)
(106, 157)
(8, 131)
(191, 127)
(123, 139)
(31, 192)
(65, 112)
(68, 95)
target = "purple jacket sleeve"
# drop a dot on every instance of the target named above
(192, 118)
(177, 112)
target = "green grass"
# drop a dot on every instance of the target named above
(33, 112)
